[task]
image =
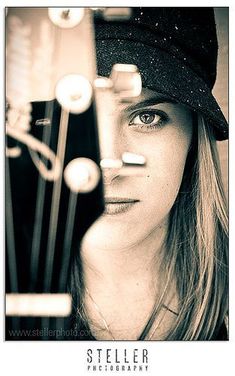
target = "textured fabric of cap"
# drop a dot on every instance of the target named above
(175, 50)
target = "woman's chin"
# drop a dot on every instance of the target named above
(105, 236)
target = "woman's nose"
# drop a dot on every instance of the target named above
(109, 175)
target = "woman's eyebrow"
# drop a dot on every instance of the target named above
(149, 102)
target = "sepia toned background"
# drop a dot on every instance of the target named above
(220, 90)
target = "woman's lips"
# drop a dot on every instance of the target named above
(117, 205)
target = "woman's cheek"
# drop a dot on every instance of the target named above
(165, 178)
(163, 199)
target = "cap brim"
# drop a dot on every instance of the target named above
(165, 74)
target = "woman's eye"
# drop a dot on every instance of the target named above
(148, 120)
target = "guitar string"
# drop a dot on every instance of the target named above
(69, 227)
(11, 249)
(55, 201)
(39, 210)
(54, 213)
(38, 219)
(66, 253)
(10, 234)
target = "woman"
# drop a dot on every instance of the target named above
(154, 266)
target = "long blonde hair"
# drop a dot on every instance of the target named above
(197, 245)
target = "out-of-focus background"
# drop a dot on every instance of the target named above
(220, 90)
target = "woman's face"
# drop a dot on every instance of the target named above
(138, 206)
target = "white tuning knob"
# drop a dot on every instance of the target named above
(131, 164)
(74, 93)
(81, 175)
(126, 80)
(66, 17)
(114, 14)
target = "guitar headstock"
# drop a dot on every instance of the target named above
(53, 167)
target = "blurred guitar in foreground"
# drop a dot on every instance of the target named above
(54, 186)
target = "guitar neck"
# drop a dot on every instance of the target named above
(46, 218)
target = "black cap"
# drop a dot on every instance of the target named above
(175, 50)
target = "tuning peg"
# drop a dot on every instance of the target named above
(132, 159)
(113, 14)
(126, 80)
(81, 175)
(117, 14)
(66, 17)
(74, 93)
(130, 164)
(38, 304)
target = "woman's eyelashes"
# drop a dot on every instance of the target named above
(147, 120)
